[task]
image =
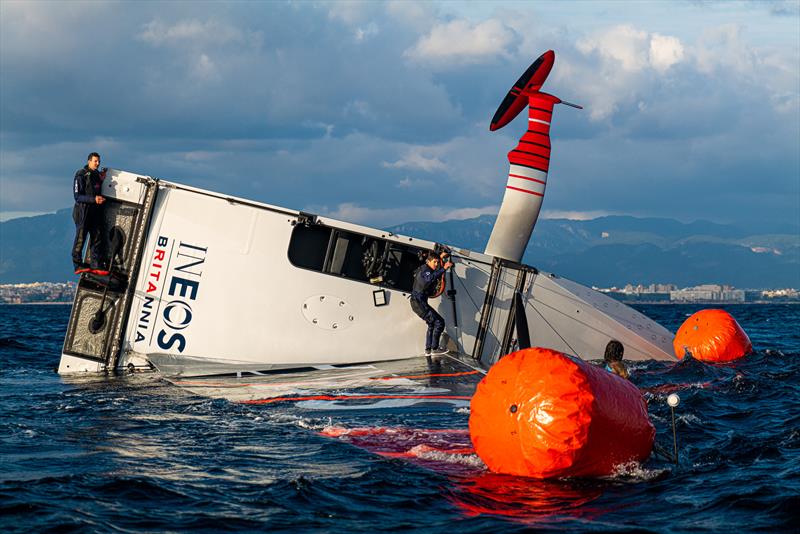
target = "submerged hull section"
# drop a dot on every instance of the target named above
(208, 284)
(560, 314)
(574, 319)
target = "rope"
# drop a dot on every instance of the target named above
(556, 331)
(477, 308)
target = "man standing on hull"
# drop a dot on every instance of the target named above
(88, 217)
(426, 277)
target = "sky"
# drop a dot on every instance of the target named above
(378, 112)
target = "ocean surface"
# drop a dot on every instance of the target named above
(138, 453)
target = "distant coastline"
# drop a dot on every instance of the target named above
(706, 295)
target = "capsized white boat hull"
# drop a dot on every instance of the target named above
(208, 283)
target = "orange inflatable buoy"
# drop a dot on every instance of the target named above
(543, 414)
(712, 336)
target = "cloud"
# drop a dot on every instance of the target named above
(408, 183)
(25, 23)
(665, 51)
(721, 48)
(723, 52)
(414, 14)
(201, 49)
(351, 12)
(616, 66)
(359, 17)
(359, 107)
(366, 32)
(192, 31)
(384, 217)
(634, 49)
(783, 8)
(460, 42)
(625, 45)
(471, 167)
(204, 67)
(628, 74)
(416, 159)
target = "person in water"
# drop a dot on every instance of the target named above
(426, 278)
(88, 217)
(613, 359)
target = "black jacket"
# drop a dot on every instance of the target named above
(86, 185)
(425, 280)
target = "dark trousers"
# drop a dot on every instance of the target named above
(88, 221)
(434, 320)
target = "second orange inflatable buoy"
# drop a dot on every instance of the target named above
(543, 414)
(712, 336)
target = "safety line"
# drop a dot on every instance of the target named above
(353, 397)
(337, 431)
(467, 291)
(431, 375)
(488, 274)
(307, 383)
(479, 370)
(554, 330)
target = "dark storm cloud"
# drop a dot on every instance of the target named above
(219, 73)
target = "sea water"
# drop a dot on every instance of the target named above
(137, 453)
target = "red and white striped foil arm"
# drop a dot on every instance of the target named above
(527, 178)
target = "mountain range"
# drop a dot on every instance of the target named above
(618, 250)
(606, 251)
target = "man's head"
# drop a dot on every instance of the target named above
(614, 351)
(93, 161)
(432, 260)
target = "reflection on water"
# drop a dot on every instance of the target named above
(524, 499)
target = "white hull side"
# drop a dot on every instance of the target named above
(249, 301)
(566, 316)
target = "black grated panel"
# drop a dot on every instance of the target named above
(80, 339)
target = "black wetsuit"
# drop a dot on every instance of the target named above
(88, 217)
(425, 280)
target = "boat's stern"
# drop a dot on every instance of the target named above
(100, 308)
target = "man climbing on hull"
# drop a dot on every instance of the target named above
(88, 217)
(426, 278)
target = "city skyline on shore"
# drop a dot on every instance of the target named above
(62, 293)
